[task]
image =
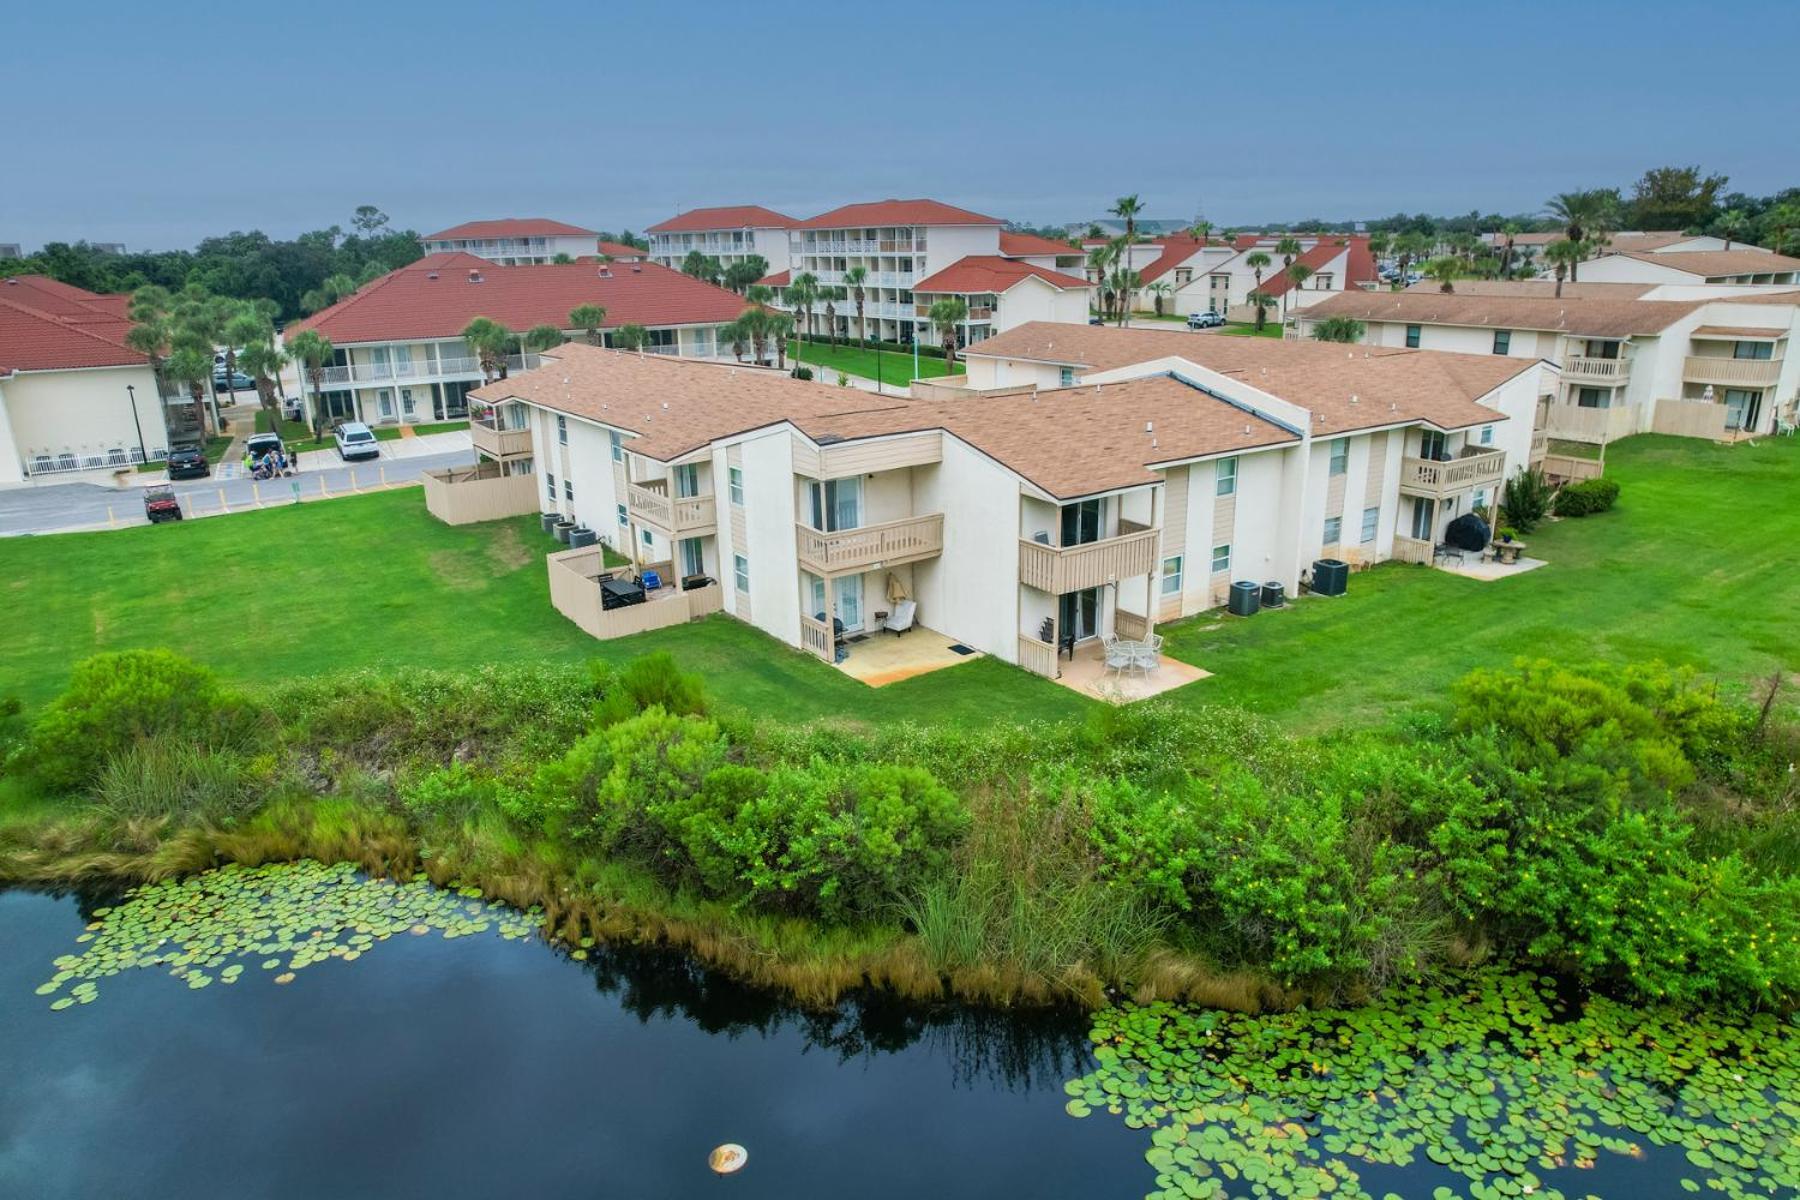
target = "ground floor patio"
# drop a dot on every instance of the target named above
(1086, 672)
(881, 658)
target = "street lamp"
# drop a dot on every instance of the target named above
(143, 454)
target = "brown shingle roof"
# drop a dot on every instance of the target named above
(1582, 315)
(1346, 388)
(1709, 263)
(1541, 288)
(1739, 331)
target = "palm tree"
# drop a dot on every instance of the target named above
(490, 341)
(857, 279)
(1297, 275)
(1257, 261)
(1262, 300)
(754, 324)
(1100, 261)
(1125, 283)
(1159, 289)
(1379, 244)
(1128, 209)
(244, 326)
(1339, 329)
(1583, 214)
(1445, 270)
(262, 361)
(543, 337)
(1202, 231)
(831, 295)
(781, 328)
(760, 293)
(1732, 224)
(703, 267)
(630, 337)
(1562, 256)
(949, 313)
(1289, 249)
(738, 334)
(150, 335)
(588, 318)
(191, 363)
(800, 295)
(312, 351)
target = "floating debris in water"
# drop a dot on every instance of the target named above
(287, 915)
(1494, 1082)
(728, 1159)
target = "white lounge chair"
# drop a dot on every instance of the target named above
(901, 619)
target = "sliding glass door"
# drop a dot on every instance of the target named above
(837, 504)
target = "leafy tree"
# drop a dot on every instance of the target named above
(745, 271)
(947, 316)
(703, 267)
(490, 340)
(562, 258)
(1675, 198)
(1731, 225)
(631, 336)
(369, 220)
(1159, 291)
(588, 318)
(543, 337)
(1262, 302)
(1339, 329)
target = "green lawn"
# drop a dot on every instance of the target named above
(896, 368)
(297, 435)
(1242, 329)
(1693, 566)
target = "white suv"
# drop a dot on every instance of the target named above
(356, 440)
(1206, 320)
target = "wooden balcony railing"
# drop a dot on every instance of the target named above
(1429, 477)
(1750, 372)
(1412, 550)
(1057, 569)
(1037, 656)
(887, 544)
(499, 443)
(1596, 370)
(683, 515)
(815, 637)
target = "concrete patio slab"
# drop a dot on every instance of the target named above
(883, 658)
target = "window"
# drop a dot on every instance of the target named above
(1171, 576)
(1066, 377)
(1487, 435)
(562, 430)
(1412, 337)
(1590, 397)
(1227, 476)
(1502, 341)
(740, 570)
(687, 480)
(647, 539)
(568, 490)
(734, 482)
(550, 486)
(1371, 518)
(1432, 446)
(624, 517)
(618, 443)
(1340, 455)
(1221, 559)
(1754, 350)
(1334, 529)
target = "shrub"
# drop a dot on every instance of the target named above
(1525, 500)
(115, 699)
(455, 792)
(801, 372)
(1587, 497)
(166, 777)
(653, 681)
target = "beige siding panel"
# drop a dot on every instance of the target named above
(806, 457)
(1224, 520)
(1175, 513)
(883, 454)
(1377, 467)
(1334, 496)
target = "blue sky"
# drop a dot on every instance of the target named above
(157, 124)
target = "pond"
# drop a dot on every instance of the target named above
(301, 1031)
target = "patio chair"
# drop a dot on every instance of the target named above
(651, 581)
(901, 619)
(1041, 537)
(1119, 657)
(1444, 552)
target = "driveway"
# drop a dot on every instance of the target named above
(62, 507)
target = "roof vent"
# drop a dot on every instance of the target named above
(474, 276)
(1149, 427)
(431, 274)
(1353, 397)
(1246, 431)
(637, 268)
(606, 272)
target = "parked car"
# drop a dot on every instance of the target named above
(228, 380)
(188, 461)
(1206, 320)
(1096, 321)
(355, 440)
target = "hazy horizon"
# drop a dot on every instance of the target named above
(1044, 113)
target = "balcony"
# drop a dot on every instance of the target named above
(1436, 479)
(1732, 372)
(684, 516)
(1059, 569)
(872, 546)
(495, 441)
(1581, 369)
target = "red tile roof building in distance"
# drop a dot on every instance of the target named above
(983, 273)
(440, 294)
(896, 212)
(730, 216)
(509, 227)
(46, 325)
(1359, 267)
(1030, 245)
(619, 250)
(777, 279)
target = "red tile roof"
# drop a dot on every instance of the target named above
(435, 297)
(1177, 249)
(779, 279)
(991, 273)
(510, 227)
(1018, 245)
(621, 250)
(732, 216)
(896, 212)
(46, 325)
(1359, 267)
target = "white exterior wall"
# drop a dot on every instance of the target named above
(970, 591)
(769, 519)
(518, 250)
(83, 412)
(1035, 300)
(945, 244)
(986, 373)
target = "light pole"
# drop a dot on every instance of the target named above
(143, 454)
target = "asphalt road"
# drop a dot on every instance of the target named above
(62, 507)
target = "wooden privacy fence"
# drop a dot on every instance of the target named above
(1690, 418)
(575, 593)
(464, 495)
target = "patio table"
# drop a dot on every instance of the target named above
(1508, 552)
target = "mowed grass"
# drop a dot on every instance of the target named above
(376, 581)
(895, 367)
(1697, 565)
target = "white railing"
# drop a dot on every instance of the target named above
(55, 464)
(1601, 370)
(1756, 372)
(682, 514)
(1037, 656)
(378, 373)
(815, 637)
(1412, 550)
(905, 540)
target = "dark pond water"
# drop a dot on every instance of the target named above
(484, 1068)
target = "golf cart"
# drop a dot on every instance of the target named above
(160, 504)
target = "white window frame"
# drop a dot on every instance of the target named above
(1340, 455)
(562, 429)
(1225, 473)
(740, 572)
(1333, 532)
(1171, 575)
(1065, 377)
(1221, 558)
(1371, 524)
(618, 444)
(734, 485)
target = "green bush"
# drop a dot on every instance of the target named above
(114, 700)
(1525, 500)
(653, 681)
(165, 777)
(1587, 497)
